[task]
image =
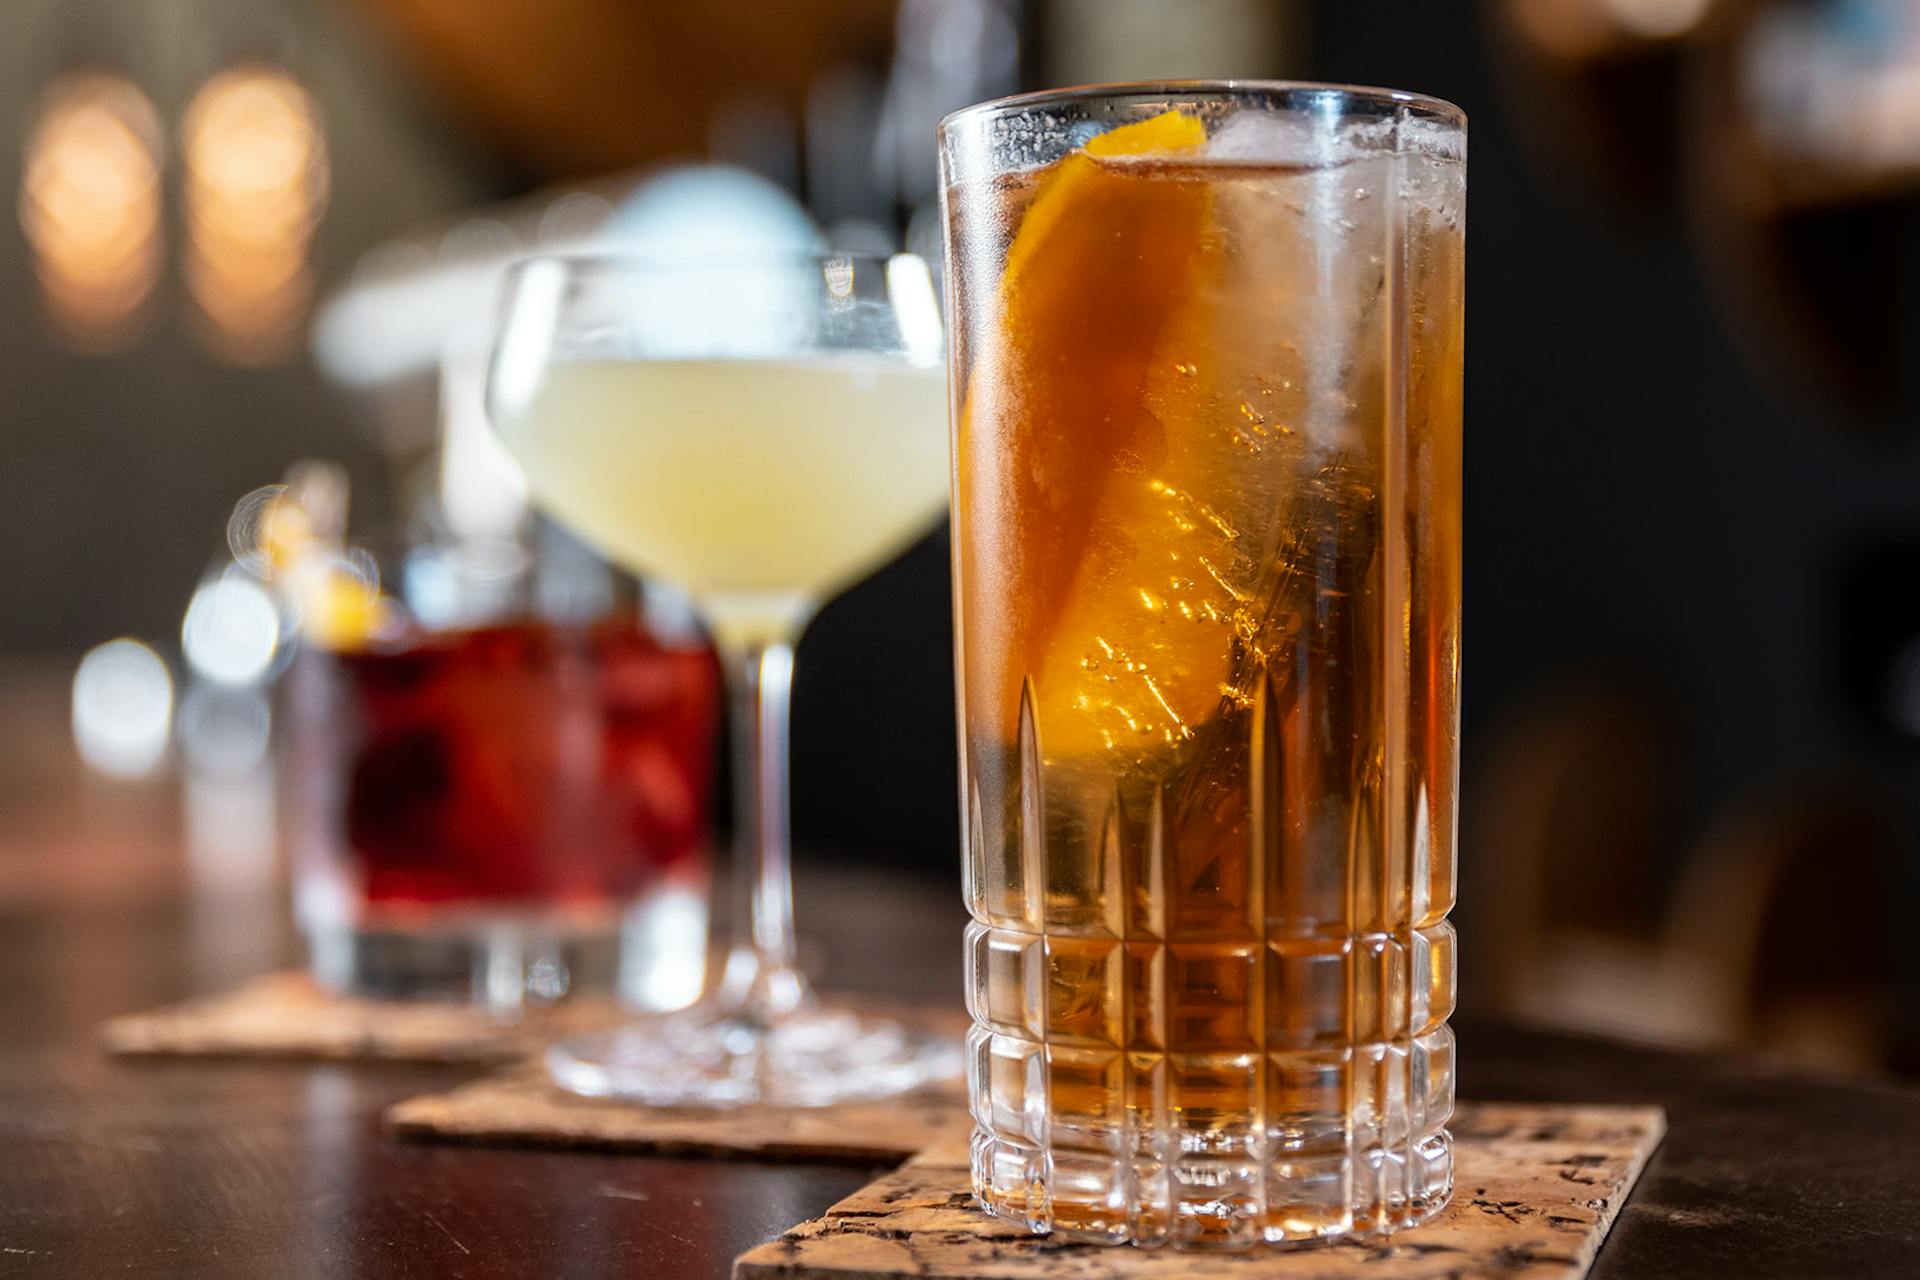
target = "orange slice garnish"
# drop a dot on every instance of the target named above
(1088, 443)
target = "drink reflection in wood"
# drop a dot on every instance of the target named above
(1207, 347)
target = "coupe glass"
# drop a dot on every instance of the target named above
(760, 433)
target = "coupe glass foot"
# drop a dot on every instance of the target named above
(709, 1056)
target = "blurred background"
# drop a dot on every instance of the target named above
(249, 233)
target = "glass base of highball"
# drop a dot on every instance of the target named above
(717, 1056)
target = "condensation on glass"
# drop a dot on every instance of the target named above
(1207, 350)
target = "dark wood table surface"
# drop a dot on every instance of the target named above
(109, 903)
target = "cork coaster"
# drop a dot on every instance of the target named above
(1536, 1189)
(289, 1015)
(523, 1107)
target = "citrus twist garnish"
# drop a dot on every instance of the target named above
(1078, 461)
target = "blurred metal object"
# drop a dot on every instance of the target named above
(90, 205)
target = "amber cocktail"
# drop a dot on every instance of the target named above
(1207, 346)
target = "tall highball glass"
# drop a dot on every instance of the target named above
(1206, 389)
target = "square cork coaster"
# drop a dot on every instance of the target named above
(289, 1015)
(1536, 1188)
(522, 1107)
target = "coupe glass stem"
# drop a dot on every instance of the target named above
(760, 979)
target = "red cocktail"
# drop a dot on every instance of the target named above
(526, 786)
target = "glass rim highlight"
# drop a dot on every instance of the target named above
(1273, 93)
(641, 261)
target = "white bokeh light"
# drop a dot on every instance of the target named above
(122, 708)
(232, 630)
(482, 490)
(916, 308)
(1659, 19)
(249, 526)
(730, 264)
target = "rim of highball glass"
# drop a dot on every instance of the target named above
(1281, 94)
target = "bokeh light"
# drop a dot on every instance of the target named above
(1659, 19)
(707, 211)
(90, 204)
(916, 307)
(232, 630)
(122, 708)
(255, 185)
(260, 523)
(1582, 29)
(706, 229)
(574, 217)
(483, 493)
(1838, 87)
(337, 597)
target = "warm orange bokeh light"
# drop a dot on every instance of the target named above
(255, 184)
(90, 203)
